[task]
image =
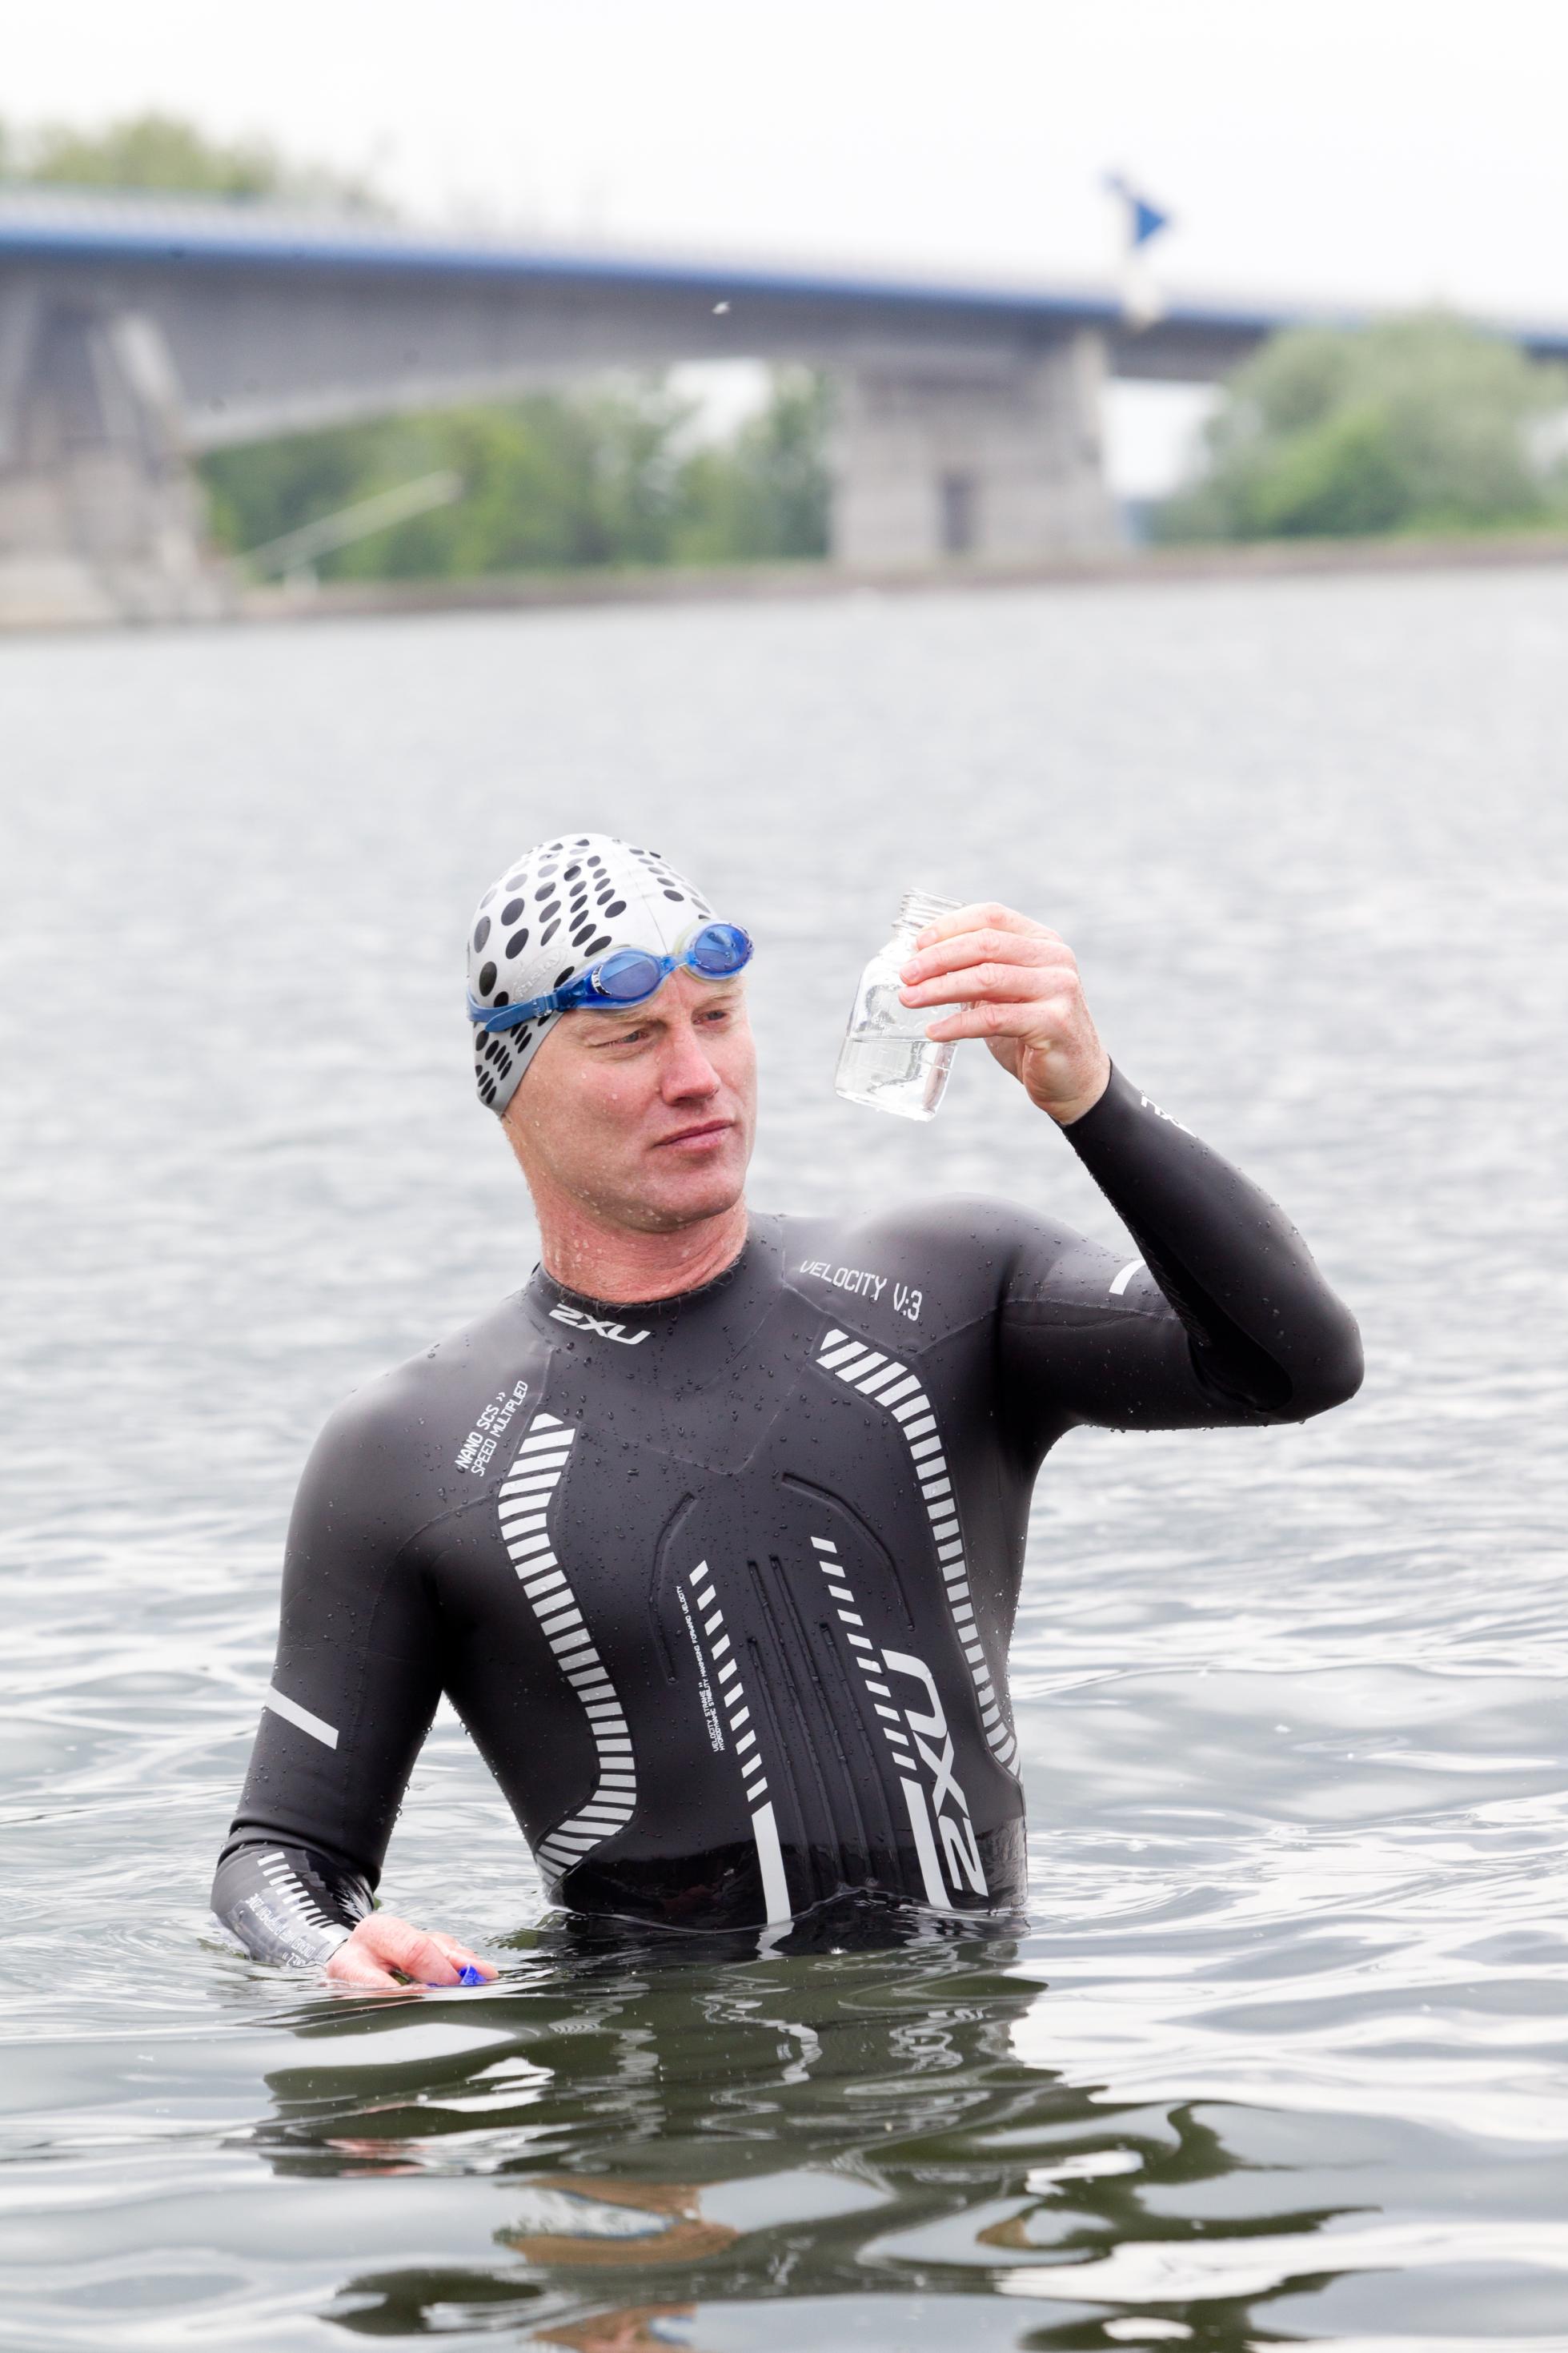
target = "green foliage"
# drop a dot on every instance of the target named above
(1417, 423)
(553, 482)
(155, 150)
(768, 492)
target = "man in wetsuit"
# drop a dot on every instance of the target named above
(714, 1533)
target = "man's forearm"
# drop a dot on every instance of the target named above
(1264, 1324)
(287, 1903)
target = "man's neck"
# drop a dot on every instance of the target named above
(626, 1268)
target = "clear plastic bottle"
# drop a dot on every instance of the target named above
(887, 1059)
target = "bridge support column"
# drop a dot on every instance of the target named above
(959, 455)
(99, 513)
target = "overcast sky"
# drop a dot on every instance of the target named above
(1389, 149)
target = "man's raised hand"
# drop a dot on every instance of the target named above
(382, 1943)
(1016, 983)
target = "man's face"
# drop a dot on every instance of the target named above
(645, 1117)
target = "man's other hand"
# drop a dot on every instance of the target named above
(382, 1943)
(1016, 984)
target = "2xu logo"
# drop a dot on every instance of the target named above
(948, 1802)
(580, 1323)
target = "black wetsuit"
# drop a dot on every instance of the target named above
(722, 1586)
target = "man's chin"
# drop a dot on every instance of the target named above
(685, 1197)
(694, 1209)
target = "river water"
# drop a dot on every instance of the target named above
(1282, 2055)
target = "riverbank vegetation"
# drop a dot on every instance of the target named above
(163, 154)
(551, 481)
(1420, 423)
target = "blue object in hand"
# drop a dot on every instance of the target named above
(468, 1975)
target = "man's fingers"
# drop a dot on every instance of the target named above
(1044, 1025)
(349, 1967)
(398, 1945)
(1014, 984)
(987, 945)
(384, 1943)
(415, 1952)
(461, 1957)
(980, 915)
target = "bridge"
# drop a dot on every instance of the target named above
(136, 332)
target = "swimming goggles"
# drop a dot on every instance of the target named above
(627, 976)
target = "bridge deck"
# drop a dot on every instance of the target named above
(1196, 337)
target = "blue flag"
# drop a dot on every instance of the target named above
(1144, 219)
(1147, 220)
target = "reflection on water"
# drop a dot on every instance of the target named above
(1278, 2055)
(677, 2131)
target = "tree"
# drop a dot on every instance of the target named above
(163, 152)
(1415, 424)
(769, 491)
(553, 481)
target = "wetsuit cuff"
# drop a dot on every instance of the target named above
(1108, 1121)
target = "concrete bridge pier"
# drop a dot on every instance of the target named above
(100, 517)
(972, 455)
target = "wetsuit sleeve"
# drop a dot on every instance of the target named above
(355, 1683)
(1223, 1317)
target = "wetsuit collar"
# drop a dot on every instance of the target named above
(735, 1301)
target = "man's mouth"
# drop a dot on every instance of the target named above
(706, 1130)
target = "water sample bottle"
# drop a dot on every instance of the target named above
(888, 1062)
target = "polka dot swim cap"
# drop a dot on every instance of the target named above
(556, 910)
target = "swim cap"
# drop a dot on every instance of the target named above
(556, 910)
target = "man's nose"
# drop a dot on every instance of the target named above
(687, 1073)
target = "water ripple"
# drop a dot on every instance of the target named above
(1280, 2053)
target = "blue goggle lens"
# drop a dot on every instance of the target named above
(718, 949)
(627, 977)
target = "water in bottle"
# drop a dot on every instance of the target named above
(887, 1060)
